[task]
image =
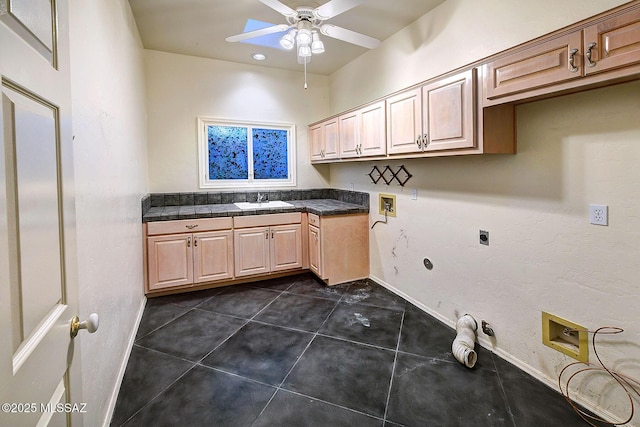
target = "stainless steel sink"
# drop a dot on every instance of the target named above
(263, 205)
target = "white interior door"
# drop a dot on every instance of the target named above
(38, 289)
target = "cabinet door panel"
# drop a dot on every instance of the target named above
(404, 122)
(617, 43)
(315, 261)
(538, 66)
(331, 146)
(212, 256)
(448, 107)
(316, 143)
(348, 127)
(251, 251)
(170, 261)
(372, 130)
(286, 247)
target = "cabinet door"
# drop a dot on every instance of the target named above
(404, 122)
(212, 256)
(316, 143)
(372, 140)
(170, 261)
(315, 259)
(538, 66)
(251, 251)
(286, 247)
(612, 44)
(448, 113)
(349, 138)
(331, 137)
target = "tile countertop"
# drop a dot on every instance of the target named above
(329, 202)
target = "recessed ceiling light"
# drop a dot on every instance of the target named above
(259, 56)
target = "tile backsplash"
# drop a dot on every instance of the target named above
(225, 197)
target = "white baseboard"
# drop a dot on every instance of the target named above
(123, 366)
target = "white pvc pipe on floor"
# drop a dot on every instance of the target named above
(463, 344)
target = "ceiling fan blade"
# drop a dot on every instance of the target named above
(349, 36)
(334, 8)
(257, 33)
(280, 8)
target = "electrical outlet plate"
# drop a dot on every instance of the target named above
(389, 199)
(566, 337)
(484, 237)
(599, 214)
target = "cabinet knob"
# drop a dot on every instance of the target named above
(590, 63)
(419, 141)
(425, 140)
(191, 226)
(188, 242)
(572, 58)
(195, 241)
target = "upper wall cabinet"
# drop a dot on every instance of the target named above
(404, 122)
(448, 113)
(613, 43)
(439, 116)
(594, 55)
(324, 141)
(362, 132)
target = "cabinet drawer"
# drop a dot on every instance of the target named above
(188, 225)
(267, 220)
(314, 220)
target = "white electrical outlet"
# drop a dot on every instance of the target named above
(414, 194)
(599, 214)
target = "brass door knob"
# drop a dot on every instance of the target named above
(91, 324)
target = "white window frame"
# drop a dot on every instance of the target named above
(203, 154)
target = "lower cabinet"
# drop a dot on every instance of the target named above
(339, 247)
(185, 259)
(189, 253)
(262, 250)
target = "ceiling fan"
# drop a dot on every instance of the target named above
(304, 26)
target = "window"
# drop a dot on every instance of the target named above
(241, 154)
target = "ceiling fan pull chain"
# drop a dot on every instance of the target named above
(305, 73)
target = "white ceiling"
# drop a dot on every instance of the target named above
(199, 28)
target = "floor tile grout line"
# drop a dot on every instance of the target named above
(157, 395)
(393, 369)
(503, 392)
(301, 354)
(164, 324)
(237, 330)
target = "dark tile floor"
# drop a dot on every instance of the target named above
(292, 352)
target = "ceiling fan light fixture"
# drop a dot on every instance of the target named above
(317, 46)
(288, 40)
(304, 32)
(304, 51)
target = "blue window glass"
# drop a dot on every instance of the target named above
(270, 154)
(228, 148)
(235, 154)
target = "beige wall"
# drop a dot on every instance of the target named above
(544, 254)
(181, 88)
(109, 125)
